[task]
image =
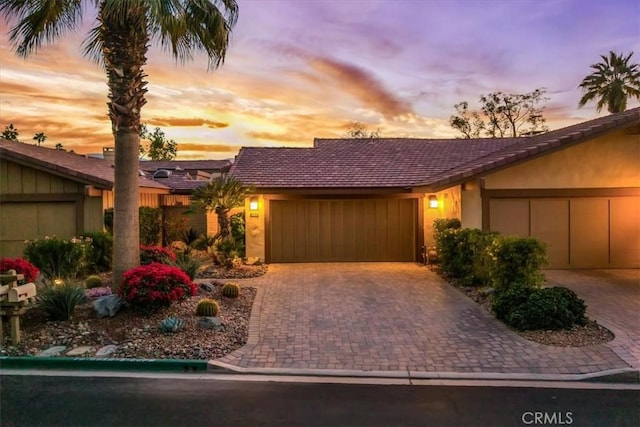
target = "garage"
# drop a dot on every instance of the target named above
(580, 232)
(324, 230)
(20, 221)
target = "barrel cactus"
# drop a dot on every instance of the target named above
(207, 307)
(93, 282)
(231, 290)
(171, 324)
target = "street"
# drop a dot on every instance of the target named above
(103, 401)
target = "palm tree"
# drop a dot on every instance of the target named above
(120, 41)
(10, 133)
(39, 137)
(612, 83)
(220, 196)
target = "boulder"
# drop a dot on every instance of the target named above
(107, 306)
(207, 287)
(211, 323)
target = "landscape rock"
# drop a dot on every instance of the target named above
(79, 351)
(208, 287)
(106, 351)
(107, 306)
(53, 351)
(211, 323)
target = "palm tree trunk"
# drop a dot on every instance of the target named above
(125, 40)
(223, 223)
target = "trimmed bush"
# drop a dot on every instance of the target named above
(575, 304)
(517, 260)
(59, 302)
(231, 290)
(150, 254)
(100, 252)
(207, 307)
(93, 282)
(150, 287)
(58, 258)
(510, 299)
(150, 225)
(21, 266)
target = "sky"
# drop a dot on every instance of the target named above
(300, 69)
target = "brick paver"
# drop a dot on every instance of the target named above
(613, 300)
(389, 317)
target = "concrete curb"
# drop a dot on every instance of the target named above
(99, 364)
(626, 375)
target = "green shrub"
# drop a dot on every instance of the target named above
(93, 282)
(227, 252)
(58, 258)
(174, 226)
(187, 263)
(150, 225)
(545, 309)
(231, 290)
(508, 300)
(442, 224)
(100, 253)
(207, 307)
(238, 232)
(190, 236)
(59, 302)
(108, 220)
(575, 304)
(517, 260)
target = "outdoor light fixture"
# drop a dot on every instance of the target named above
(433, 202)
(253, 204)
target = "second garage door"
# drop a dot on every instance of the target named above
(342, 230)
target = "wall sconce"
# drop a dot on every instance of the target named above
(253, 204)
(433, 202)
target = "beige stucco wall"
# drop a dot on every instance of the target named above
(449, 206)
(255, 228)
(610, 161)
(471, 205)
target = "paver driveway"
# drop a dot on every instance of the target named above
(389, 317)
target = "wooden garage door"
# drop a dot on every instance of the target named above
(580, 232)
(28, 221)
(342, 230)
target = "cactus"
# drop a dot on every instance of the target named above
(171, 324)
(231, 290)
(207, 307)
(93, 282)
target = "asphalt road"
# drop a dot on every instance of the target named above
(91, 401)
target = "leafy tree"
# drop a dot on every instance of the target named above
(120, 39)
(10, 133)
(612, 83)
(60, 147)
(220, 196)
(359, 131)
(159, 147)
(40, 138)
(502, 115)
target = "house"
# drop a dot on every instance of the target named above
(576, 188)
(44, 191)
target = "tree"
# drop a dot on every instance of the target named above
(220, 196)
(612, 83)
(60, 147)
(502, 115)
(10, 133)
(40, 138)
(358, 131)
(159, 147)
(120, 40)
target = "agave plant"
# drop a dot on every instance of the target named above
(171, 324)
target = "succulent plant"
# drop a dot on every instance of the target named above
(207, 307)
(171, 324)
(231, 290)
(93, 282)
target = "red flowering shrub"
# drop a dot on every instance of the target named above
(150, 287)
(21, 266)
(149, 254)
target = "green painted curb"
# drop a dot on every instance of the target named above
(163, 365)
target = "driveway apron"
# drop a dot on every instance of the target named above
(613, 300)
(390, 317)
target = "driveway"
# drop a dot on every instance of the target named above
(613, 300)
(389, 317)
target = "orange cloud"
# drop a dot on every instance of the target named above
(220, 148)
(279, 137)
(185, 122)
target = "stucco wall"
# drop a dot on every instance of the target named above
(607, 162)
(471, 205)
(255, 228)
(449, 206)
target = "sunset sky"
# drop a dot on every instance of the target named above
(299, 69)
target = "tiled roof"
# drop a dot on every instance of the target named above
(403, 162)
(77, 167)
(188, 165)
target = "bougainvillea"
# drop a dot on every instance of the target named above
(150, 254)
(153, 286)
(21, 266)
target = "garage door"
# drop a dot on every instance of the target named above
(342, 230)
(28, 221)
(580, 232)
